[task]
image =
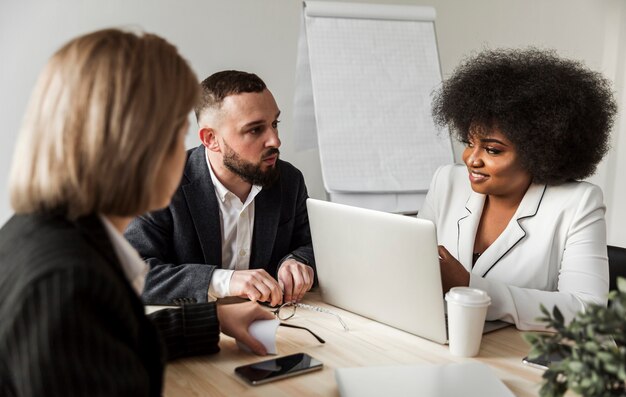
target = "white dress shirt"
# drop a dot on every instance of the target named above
(133, 266)
(552, 252)
(236, 226)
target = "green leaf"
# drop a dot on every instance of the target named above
(585, 383)
(530, 337)
(621, 284)
(535, 352)
(611, 367)
(576, 366)
(591, 346)
(605, 356)
(558, 316)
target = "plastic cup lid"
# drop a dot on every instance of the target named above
(468, 296)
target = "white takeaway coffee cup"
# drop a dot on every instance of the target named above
(467, 309)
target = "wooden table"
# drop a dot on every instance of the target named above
(367, 343)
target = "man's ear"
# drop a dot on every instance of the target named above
(208, 138)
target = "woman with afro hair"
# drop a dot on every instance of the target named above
(516, 220)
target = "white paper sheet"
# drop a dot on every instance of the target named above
(447, 380)
(265, 332)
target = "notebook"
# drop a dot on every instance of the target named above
(381, 266)
(449, 380)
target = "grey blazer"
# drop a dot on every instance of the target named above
(182, 243)
(72, 323)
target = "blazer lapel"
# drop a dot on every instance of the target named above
(513, 233)
(203, 206)
(92, 228)
(467, 227)
(267, 205)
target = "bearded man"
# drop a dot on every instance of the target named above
(238, 224)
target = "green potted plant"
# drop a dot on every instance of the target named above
(593, 347)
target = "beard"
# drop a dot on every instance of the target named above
(252, 172)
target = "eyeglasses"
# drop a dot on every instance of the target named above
(288, 310)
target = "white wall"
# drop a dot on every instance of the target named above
(261, 36)
(615, 67)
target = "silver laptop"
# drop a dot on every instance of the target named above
(380, 265)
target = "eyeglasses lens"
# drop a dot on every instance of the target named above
(286, 311)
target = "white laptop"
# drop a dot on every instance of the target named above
(447, 380)
(380, 265)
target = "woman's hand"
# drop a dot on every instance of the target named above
(235, 319)
(453, 274)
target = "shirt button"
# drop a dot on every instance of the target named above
(242, 252)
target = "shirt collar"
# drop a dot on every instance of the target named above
(133, 266)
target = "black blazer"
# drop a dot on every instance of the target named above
(182, 243)
(71, 324)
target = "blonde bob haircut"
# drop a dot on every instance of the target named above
(104, 113)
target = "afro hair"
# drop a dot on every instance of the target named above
(556, 112)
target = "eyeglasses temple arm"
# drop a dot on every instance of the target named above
(319, 339)
(322, 310)
(345, 327)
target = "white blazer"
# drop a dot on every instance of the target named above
(552, 252)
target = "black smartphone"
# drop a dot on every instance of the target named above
(543, 361)
(278, 368)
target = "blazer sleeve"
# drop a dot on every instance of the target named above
(188, 331)
(582, 275)
(301, 243)
(152, 235)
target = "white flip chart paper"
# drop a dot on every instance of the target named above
(365, 76)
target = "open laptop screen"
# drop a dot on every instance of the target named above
(379, 265)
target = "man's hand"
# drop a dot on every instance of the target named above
(256, 285)
(235, 319)
(453, 274)
(295, 279)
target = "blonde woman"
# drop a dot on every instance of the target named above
(102, 141)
